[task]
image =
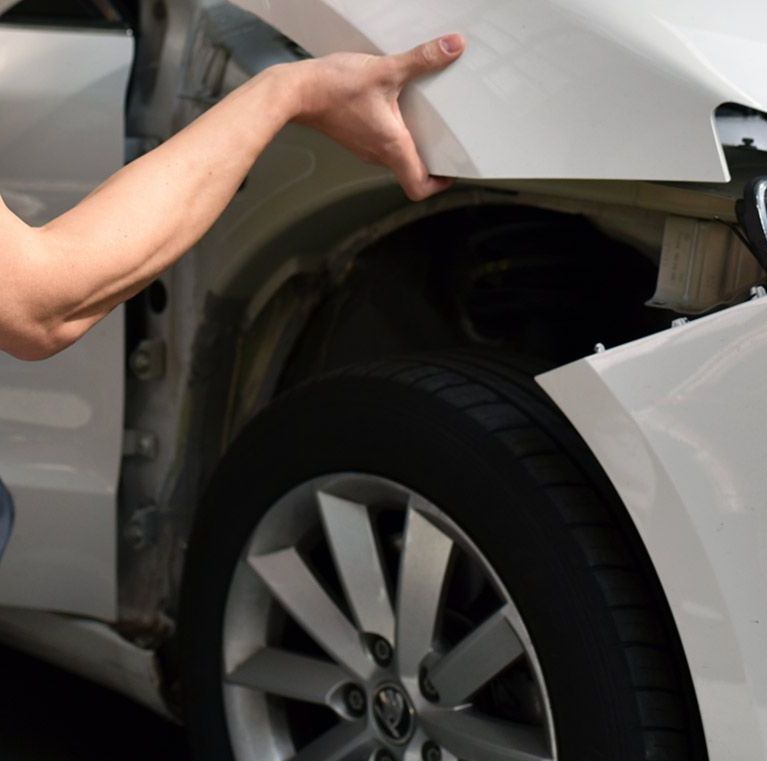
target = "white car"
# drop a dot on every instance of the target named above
(480, 478)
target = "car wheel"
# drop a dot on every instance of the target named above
(420, 560)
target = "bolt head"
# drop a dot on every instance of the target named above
(382, 651)
(134, 534)
(355, 700)
(431, 752)
(428, 690)
(146, 445)
(140, 362)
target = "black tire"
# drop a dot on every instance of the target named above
(465, 432)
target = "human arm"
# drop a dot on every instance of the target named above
(62, 278)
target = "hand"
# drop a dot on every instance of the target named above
(354, 98)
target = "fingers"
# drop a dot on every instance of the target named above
(412, 173)
(430, 57)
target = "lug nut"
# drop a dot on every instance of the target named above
(382, 651)
(355, 701)
(431, 752)
(384, 755)
(428, 690)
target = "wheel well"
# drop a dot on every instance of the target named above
(540, 283)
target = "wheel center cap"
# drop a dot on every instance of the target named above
(393, 713)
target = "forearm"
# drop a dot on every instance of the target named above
(146, 216)
(62, 278)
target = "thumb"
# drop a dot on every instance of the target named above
(431, 56)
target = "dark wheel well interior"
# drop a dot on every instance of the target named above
(542, 284)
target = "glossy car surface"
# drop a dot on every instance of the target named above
(580, 90)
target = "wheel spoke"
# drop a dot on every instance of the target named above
(476, 659)
(355, 551)
(303, 596)
(345, 742)
(476, 738)
(423, 569)
(290, 675)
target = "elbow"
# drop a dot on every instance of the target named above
(33, 317)
(38, 317)
(34, 350)
(37, 341)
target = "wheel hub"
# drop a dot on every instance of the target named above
(393, 714)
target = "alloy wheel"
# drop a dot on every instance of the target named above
(363, 624)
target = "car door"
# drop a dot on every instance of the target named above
(64, 70)
(563, 89)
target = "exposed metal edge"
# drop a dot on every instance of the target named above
(89, 649)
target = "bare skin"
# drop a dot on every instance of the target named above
(61, 279)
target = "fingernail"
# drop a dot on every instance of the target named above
(451, 44)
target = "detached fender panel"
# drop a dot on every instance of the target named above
(575, 89)
(678, 420)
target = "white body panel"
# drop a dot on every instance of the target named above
(88, 648)
(62, 120)
(61, 133)
(598, 89)
(678, 420)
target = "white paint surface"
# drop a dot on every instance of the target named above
(678, 420)
(89, 649)
(577, 89)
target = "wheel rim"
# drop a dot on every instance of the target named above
(363, 623)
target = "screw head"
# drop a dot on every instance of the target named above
(382, 651)
(384, 755)
(355, 700)
(146, 445)
(431, 752)
(428, 690)
(134, 534)
(140, 362)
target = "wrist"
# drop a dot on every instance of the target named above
(284, 85)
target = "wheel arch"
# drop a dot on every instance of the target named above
(250, 323)
(261, 333)
(258, 310)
